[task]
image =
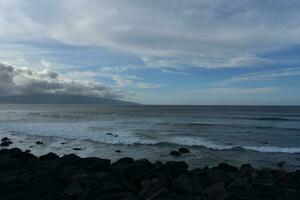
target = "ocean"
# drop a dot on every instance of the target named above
(259, 135)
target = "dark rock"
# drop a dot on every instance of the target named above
(175, 153)
(77, 149)
(225, 167)
(185, 184)
(281, 164)
(23, 176)
(49, 156)
(237, 148)
(5, 139)
(109, 134)
(95, 164)
(27, 151)
(72, 189)
(116, 136)
(216, 191)
(6, 143)
(118, 151)
(39, 143)
(183, 150)
(70, 159)
(125, 160)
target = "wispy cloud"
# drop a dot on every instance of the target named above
(236, 91)
(174, 72)
(265, 76)
(166, 33)
(133, 81)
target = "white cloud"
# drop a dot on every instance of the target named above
(18, 81)
(166, 33)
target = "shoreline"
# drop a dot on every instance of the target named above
(197, 156)
(25, 176)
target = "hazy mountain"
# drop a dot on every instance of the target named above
(60, 99)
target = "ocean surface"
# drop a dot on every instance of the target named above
(260, 135)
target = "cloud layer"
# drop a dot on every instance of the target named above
(18, 81)
(164, 33)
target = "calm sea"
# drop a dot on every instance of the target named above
(260, 135)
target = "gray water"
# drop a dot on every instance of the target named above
(262, 136)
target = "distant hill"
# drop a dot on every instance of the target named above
(60, 99)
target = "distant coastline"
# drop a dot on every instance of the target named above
(61, 99)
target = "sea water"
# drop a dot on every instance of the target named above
(260, 135)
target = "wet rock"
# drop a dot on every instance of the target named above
(237, 148)
(110, 134)
(23, 176)
(77, 149)
(118, 151)
(183, 150)
(6, 143)
(175, 153)
(39, 143)
(27, 151)
(281, 164)
(5, 139)
(49, 156)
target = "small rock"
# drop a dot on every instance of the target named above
(5, 139)
(27, 151)
(6, 143)
(281, 164)
(77, 149)
(63, 143)
(183, 150)
(118, 151)
(237, 148)
(175, 153)
(116, 136)
(39, 143)
(109, 134)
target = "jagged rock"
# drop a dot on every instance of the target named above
(24, 176)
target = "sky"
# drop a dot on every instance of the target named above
(193, 52)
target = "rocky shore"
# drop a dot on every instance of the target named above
(25, 176)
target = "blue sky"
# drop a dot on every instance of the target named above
(153, 52)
